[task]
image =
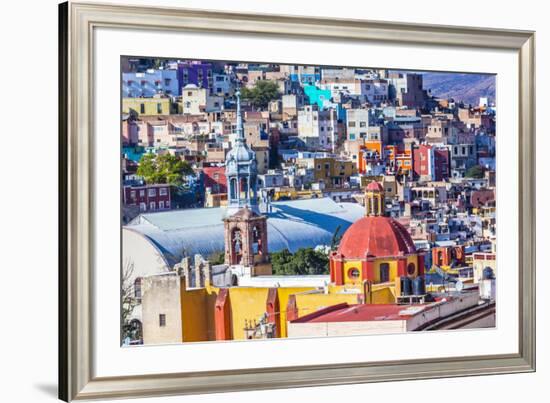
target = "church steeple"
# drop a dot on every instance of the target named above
(241, 170)
(374, 199)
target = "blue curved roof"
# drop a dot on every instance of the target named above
(291, 224)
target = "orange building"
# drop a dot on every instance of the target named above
(448, 255)
(369, 153)
(399, 157)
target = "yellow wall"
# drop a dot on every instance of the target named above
(150, 105)
(393, 270)
(284, 294)
(246, 304)
(309, 303)
(413, 259)
(351, 265)
(197, 313)
(383, 294)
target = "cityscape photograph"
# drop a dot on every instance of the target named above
(263, 200)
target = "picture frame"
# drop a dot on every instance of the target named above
(77, 22)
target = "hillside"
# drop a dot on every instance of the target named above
(462, 87)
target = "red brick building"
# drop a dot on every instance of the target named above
(148, 197)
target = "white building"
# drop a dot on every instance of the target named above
(377, 91)
(195, 101)
(318, 129)
(351, 87)
(357, 123)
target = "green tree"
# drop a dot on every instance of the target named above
(216, 258)
(165, 168)
(304, 261)
(262, 93)
(476, 172)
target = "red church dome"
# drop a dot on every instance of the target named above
(375, 236)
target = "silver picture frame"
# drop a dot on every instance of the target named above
(77, 22)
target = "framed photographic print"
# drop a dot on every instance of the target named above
(260, 201)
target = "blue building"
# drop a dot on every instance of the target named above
(317, 95)
(195, 72)
(305, 74)
(149, 83)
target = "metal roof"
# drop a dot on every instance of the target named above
(291, 224)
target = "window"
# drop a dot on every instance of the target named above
(362, 124)
(141, 108)
(133, 195)
(161, 205)
(353, 273)
(142, 193)
(152, 192)
(162, 320)
(351, 124)
(159, 108)
(384, 272)
(142, 207)
(137, 288)
(411, 269)
(163, 191)
(152, 206)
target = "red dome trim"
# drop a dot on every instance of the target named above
(376, 237)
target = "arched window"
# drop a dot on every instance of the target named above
(237, 241)
(233, 188)
(384, 272)
(234, 280)
(256, 240)
(244, 186)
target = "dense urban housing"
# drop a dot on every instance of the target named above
(266, 201)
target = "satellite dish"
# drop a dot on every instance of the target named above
(459, 286)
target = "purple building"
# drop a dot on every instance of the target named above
(195, 72)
